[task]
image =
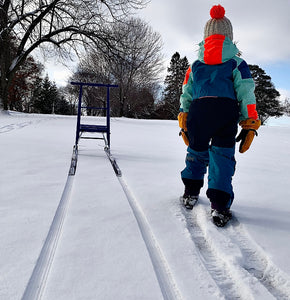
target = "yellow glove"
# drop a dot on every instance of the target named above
(182, 119)
(246, 136)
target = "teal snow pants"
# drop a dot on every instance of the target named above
(212, 127)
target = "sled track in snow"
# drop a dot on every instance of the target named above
(217, 268)
(237, 264)
(163, 273)
(244, 272)
(258, 264)
(38, 279)
(243, 275)
(161, 267)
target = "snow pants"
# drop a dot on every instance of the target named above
(212, 127)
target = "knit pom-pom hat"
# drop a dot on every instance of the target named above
(218, 24)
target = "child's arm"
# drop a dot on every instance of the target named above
(245, 86)
(185, 101)
(187, 92)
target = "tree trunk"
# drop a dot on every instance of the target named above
(4, 97)
(4, 85)
(4, 55)
(5, 82)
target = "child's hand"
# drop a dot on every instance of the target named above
(184, 135)
(182, 119)
(247, 133)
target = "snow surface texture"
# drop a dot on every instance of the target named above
(98, 236)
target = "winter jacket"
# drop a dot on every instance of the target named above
(219, 72)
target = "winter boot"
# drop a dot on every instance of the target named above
(188, 201)
(220, 218)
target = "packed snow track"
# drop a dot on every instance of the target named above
(245, 271)
(237, 267)
(95, 235)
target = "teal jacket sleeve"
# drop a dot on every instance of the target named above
(187, 92)
(244, 87)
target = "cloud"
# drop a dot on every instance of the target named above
(260, 28)
(284, 94)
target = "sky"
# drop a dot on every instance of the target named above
(261, 30)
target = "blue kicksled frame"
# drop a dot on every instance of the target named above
(104, 129)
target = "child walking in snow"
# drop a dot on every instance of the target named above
(217, 93)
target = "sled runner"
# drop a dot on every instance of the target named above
(82, 128)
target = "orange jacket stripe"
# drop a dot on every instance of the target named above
(187, 76)
(252, 112)
(213, 49)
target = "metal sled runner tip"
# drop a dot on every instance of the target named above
(113, 162)
(74, 160)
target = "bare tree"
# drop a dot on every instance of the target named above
(135, 65)
(64, 25)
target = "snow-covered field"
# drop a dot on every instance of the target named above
(128, 237)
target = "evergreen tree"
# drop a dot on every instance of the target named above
(267, 96)
(47, 99)
(36, 94)
(173, 85)
(44, 102)
(62, 107)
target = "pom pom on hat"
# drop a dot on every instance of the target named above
(217, 12)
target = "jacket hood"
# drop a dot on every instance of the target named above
(216, 49)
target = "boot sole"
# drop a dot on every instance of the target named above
(187, 205)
